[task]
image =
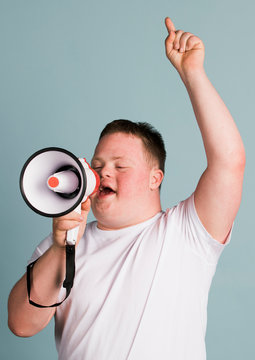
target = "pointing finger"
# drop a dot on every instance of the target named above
(169, 25)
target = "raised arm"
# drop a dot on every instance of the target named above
(47, 278)
(218, 193)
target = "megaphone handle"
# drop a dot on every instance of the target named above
(71, 236)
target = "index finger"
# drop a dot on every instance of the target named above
(169, 25)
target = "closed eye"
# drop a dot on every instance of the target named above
(122, 169)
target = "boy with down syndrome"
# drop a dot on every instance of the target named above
(142, 275)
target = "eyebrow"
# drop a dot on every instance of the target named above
(113, 158)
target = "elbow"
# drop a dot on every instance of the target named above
(241, 156)
(16, 329)
(239, 160)
(233, 160)
(16, 323)
(19, 328)
(22, 327)
(19, 331)
(235, 156)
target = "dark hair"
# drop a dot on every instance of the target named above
(150, 137)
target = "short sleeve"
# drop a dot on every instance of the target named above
(41, 248)
(197, 237)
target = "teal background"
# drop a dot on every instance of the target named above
(69, 67)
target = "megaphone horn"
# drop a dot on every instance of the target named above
(54, 182)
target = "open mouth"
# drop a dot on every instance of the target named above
(106, 190)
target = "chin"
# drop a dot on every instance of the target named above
(100, 207)
(103, 212)
(108, 219)
(106, 223)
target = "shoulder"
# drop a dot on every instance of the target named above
(184, 217)
(181, 209)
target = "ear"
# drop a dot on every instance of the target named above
(156, 178)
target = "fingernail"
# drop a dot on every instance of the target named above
(181, 50)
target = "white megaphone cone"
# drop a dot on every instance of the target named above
(54, 182)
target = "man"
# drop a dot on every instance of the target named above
(142, 275)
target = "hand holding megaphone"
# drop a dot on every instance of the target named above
(63, 224)
(54, 182)
(66, 183)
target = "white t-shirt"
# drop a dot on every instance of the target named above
(140, 293)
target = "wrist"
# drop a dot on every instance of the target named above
(193, 76)
(58, 249)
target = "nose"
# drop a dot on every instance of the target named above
(105, 171)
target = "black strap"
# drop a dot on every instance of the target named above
(67, 284)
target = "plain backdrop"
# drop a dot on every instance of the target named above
(70, 66)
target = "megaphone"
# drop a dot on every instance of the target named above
(54, 182)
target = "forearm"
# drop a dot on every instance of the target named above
(222, 141)
(47, 277)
